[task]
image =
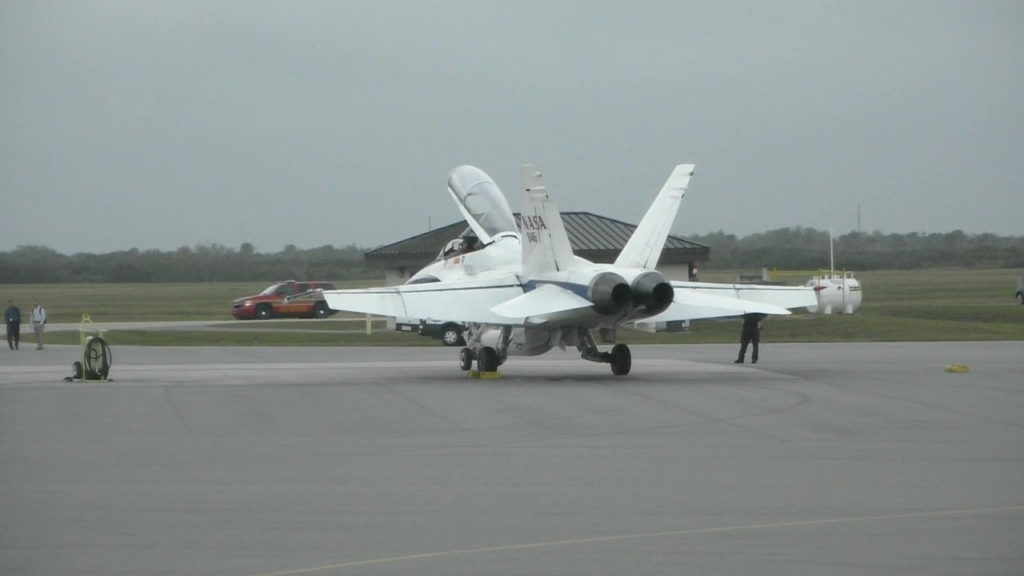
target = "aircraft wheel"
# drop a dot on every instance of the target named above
(466, 359)
(622, 360)
(488, 360)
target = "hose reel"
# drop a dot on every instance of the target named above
(96, 359)
(96, 355)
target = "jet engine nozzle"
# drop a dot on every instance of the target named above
(651, 293)
(610, 293)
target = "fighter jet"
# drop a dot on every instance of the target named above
(522, 292)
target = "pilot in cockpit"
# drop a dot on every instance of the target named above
(453, 248)
(462, 245)
(470, 243)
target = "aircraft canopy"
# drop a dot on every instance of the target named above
(481, 202)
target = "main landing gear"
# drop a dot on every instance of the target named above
(486, 359)
(620, 358)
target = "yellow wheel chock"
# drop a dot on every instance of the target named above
(478, 375)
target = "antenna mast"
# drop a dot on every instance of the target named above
(831, 256)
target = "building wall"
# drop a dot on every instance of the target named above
(679, 272)
(396, 276)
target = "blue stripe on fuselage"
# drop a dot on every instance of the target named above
(580, 290)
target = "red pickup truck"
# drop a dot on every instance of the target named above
(285, 299)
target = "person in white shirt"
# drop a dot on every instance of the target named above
(38, 321)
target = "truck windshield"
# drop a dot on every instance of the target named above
(283, 288)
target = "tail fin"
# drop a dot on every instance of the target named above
(546, 245)
(645, 245)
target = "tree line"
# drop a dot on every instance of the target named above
(200, 263)
(808, 249)
(785, 248)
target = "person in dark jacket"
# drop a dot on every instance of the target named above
(751, 334)
(12, 317)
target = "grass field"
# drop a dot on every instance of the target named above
(917, 305)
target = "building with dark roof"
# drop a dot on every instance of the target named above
(593, 237)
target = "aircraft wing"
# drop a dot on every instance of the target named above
(469, 300)
(697, 300)
(783, 296)
(696, 306)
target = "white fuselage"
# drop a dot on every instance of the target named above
(503, 255)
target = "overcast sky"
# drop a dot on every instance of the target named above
(156, 125)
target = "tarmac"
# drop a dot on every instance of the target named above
(832, 459)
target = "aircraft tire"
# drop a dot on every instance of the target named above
(466, 359)
(488, 360)
(622, 360)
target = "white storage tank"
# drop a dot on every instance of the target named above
(837, 293)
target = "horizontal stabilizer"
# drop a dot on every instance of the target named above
(546, 299)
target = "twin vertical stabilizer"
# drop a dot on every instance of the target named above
(546, 245)
(645, 245)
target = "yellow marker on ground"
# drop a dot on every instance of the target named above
(478, 375)
(958, 368)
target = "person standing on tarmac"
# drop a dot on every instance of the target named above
(751, 334)
(38, 322)
(12, 317)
